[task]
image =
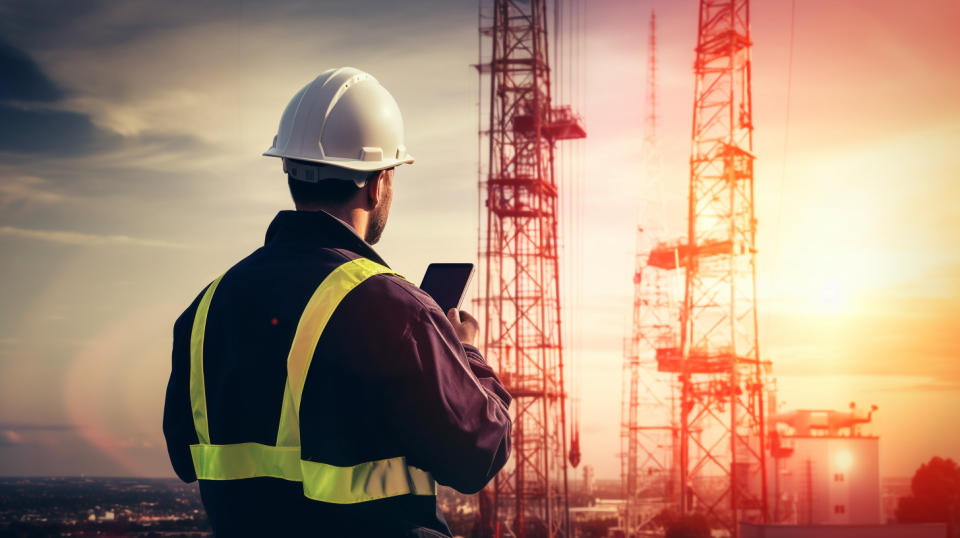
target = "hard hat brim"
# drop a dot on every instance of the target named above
(349, 164)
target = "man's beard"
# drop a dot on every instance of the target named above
(378, 219)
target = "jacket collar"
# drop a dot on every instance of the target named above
(320, 229)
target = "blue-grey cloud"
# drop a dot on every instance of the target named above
(32, 130)
(54, 132)
(31, 127)
(52, 24)
(21, 79)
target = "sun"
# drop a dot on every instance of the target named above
(843, 460)
(833, 297)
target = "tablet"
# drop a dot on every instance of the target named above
(447, 283)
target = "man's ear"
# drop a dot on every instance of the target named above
(375, 190)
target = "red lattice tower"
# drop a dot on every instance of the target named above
(722, 464)
(519, 284)
(648, 433)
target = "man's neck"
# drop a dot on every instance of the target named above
(355, 218)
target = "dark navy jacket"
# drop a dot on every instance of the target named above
(389, 378)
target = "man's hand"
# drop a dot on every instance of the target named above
(465, 325)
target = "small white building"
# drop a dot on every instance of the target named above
(823, 470)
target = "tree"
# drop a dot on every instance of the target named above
(934, 496)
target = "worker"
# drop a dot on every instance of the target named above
(314, 391)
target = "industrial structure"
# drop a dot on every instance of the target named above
(718, 360)
(717, 426)
(518, 249)
(648, 430)
(824, 469)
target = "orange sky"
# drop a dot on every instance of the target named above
(107, 236)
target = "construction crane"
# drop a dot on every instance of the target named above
(648, 438)
(721, 376)
(518, 249)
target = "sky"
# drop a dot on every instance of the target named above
(131, 176)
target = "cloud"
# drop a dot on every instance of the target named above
(27, 426)
(11, 437)
(46, 23)
(931, 385)
(21, 79)
(23, 434)
(38, 123)
(53, 132)
(83, 239)
(32, 129)
(29, 129)
(26, 191)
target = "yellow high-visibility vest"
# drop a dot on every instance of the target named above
(322, 482)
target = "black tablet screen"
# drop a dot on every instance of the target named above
(447, 283)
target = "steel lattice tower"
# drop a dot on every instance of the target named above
(722, 464)
(519, 275)
(648, 430)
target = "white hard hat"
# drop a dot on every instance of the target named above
(343, 118)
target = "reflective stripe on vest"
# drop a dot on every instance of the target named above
(321, 481)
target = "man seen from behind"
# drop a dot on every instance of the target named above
(313, 391)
